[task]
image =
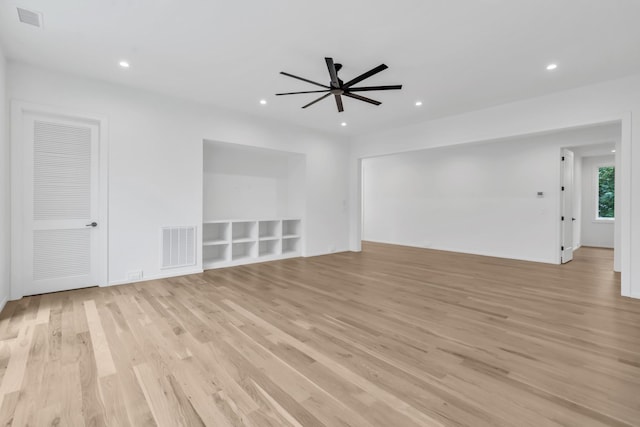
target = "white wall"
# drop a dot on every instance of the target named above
(594, 233)
(156, 157)
(599, 103)
(252, 183)
(5, 195)
(473, 198)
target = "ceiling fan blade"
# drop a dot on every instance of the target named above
(332, 72)
(304, 80)
(308, 91)
(319, 99)
(339, 103)
(367, 88)
(362, 98)
(366, 75)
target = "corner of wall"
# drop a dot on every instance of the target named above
(5, 189)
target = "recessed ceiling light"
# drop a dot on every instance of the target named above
(613, 151)
(343, 124)
(263, 102)
(552, 67)
(124, 64)
(418, 103)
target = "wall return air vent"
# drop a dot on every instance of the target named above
(178, 246)
(30, 17)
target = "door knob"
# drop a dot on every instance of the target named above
(93, 224)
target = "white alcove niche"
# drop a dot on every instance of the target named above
(253, 204)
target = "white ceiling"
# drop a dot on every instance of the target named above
(454, 55)
(594, 150)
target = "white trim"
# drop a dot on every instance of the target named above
(466, 252)
(624, 154)
(604, 221)
(560, 203)
(599, 246)
(199, 270)
(558, 224)
(356, 206)
(251, 260)
(18, 109)
(339, 251)
(16, 201)
(157, 276)
(617, 225)
(3, 302)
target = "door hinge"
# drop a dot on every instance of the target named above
(562, 248)
(563, 158)
(563, 188)
(561, 218)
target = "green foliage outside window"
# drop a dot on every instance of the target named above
(606, 191)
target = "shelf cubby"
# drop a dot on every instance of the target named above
(290, 245)
(243, 250)
(291, 228)
(269, 230)
(215, 233)
(212, 255)
(269, 248)
(243, 231)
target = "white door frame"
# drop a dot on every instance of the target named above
(566, 221)
(623, 201)
(18, 110)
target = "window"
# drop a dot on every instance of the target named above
(606, 192)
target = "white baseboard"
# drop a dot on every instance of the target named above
(325, 253)
(157, 276)
(3, 303)
(249, 261)
(632, 295)
(468, 252)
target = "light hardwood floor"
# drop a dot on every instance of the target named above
(392, 336)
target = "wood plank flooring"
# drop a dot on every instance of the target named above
(392, 336)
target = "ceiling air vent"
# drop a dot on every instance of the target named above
(30, 17)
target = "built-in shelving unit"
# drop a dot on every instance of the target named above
(228, 243)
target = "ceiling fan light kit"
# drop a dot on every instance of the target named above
(338, 88)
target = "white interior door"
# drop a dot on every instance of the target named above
(60, 204)
(567, 206)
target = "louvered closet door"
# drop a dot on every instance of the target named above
(61, 203)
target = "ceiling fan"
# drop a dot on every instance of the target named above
(338, 88)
